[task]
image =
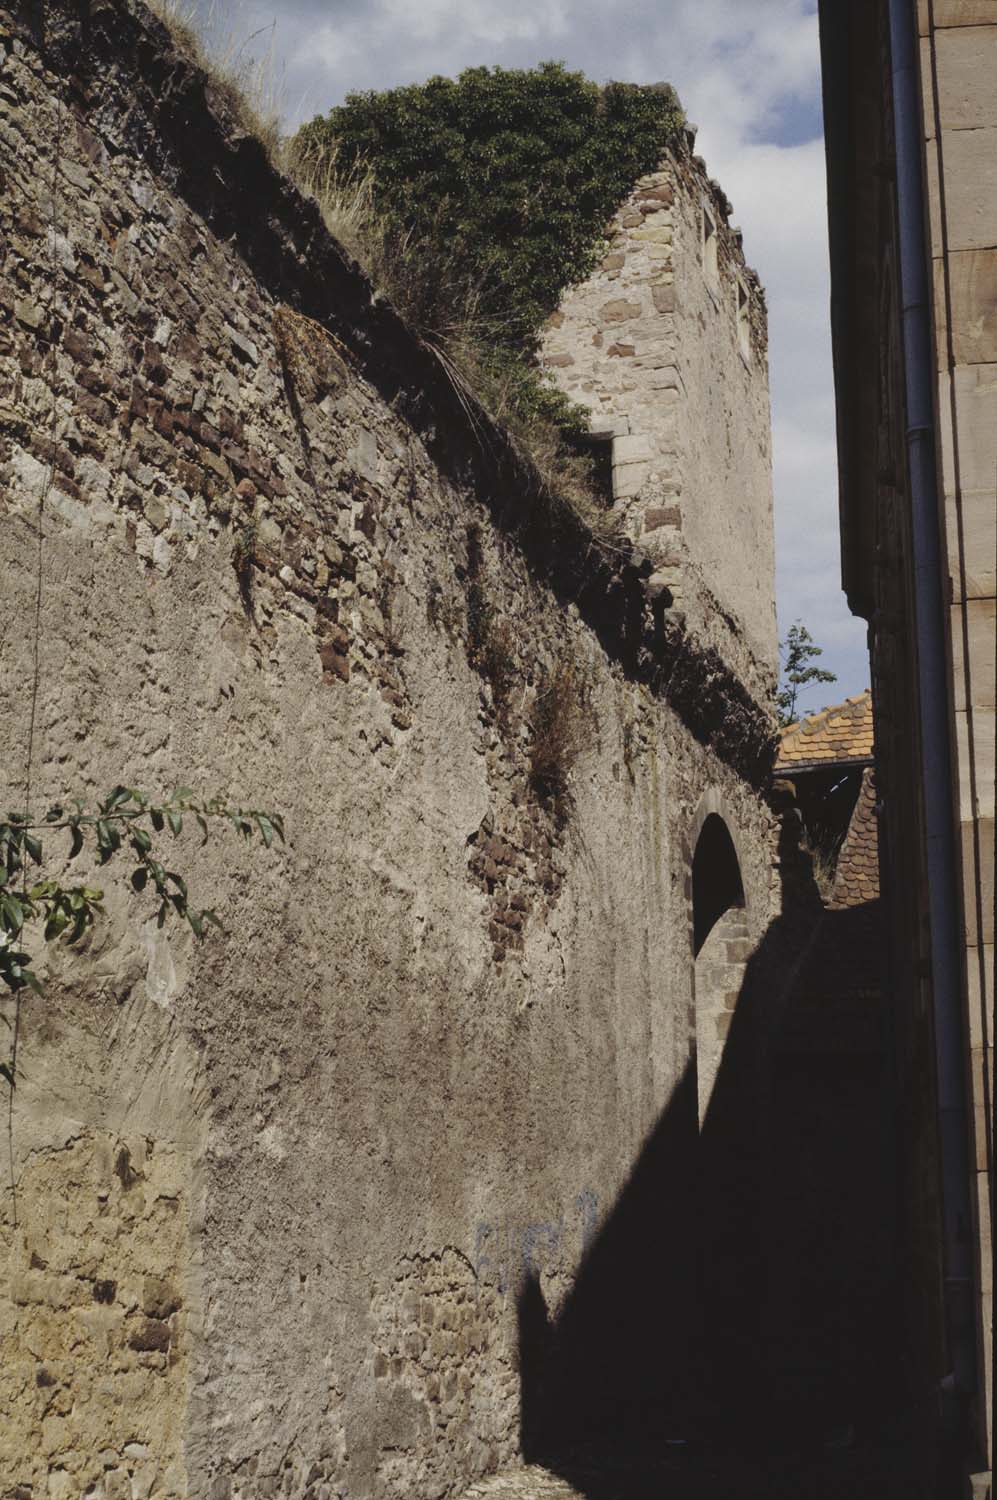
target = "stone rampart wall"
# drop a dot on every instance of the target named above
(278, 1194)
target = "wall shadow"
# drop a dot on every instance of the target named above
(738, 1302)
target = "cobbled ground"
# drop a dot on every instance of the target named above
(858, 1473)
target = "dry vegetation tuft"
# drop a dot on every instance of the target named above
(557, 723)
(246, 81)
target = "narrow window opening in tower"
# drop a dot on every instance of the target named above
(710, 248)
(743, 321)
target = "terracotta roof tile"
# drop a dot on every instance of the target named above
(856, 877)
(840, 733)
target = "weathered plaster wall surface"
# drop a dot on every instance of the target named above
(277, 1194)
(666, 344)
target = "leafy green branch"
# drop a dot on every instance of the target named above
(798, 653)
(123, 825)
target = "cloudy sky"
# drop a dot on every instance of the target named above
(748, 76)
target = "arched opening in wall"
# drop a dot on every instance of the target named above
(720, 946)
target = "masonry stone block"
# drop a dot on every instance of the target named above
(654, 234)
(619, 310)
(969, 464)
(965, 297)
(976, 763)
(978, 853)
(973, 626)
(628, 479)
(965, 68)
(980, 994)
(954, 13)
(970, 189)
(662, 515)
(632, 449)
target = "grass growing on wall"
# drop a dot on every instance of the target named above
(557, 727)
(246, 82)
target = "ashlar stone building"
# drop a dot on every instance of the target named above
(331, 1206)
(911, 133)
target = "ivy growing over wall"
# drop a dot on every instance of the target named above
(511, 173)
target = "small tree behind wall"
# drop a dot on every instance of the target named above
(798, 653)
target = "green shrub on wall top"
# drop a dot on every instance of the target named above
(511, 173)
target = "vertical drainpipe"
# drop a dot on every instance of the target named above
(936, 767)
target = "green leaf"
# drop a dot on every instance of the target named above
(203, 826)
(266, 828)
(12, 913)
(175, 821)
(56, 924)
(33, 847)
(195, 920)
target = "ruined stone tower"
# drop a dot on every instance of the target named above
(666, 345)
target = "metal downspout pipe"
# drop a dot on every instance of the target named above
(936, 767)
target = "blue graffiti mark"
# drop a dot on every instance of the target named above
(482, 1262)
(587, 1204)
(540, 1246)
(507, 1253)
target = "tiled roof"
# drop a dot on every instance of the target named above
(839, 734)
(856, 876)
